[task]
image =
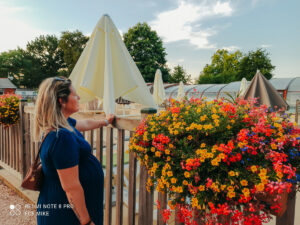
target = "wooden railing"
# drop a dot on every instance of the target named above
(17, 152)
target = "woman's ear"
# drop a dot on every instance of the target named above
(60, 101)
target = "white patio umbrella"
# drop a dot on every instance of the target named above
(106, 71)
(243, 87)
(158, 88)
(180, 93)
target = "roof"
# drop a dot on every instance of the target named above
(281, 83)
(6, 83)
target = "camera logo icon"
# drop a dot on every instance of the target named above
(15, 210)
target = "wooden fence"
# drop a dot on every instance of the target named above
(17, 152)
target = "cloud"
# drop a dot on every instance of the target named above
(266, 46)
(231, 48)
(15, 31)
(185, 22)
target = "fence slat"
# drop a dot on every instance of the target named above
(10, 149)
(162, 199)
(22, 157)
(99, 145)
(108, 177)
(146, 199)
(1, 142)
(132, 188)
(120, 177)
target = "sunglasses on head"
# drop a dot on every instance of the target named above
(55, 79)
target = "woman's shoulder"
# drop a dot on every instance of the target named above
(61, 133)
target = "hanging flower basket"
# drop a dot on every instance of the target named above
(217, 157)
(9, 109)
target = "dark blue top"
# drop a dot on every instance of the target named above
(64, 149)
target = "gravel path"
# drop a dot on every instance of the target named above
(14, 210)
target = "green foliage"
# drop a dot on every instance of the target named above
(146, 49)
(24, 69)
(228, 67)
(253, 61)
(45, 50)
(179, 74)
(72, 45)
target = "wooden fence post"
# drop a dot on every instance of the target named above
(22, 150)
(145, 198)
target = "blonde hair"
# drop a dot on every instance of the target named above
(48, 115)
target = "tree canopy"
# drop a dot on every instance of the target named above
(227, 67)
(72, 45)
(179, 74)
(146, 49)
(45, 50)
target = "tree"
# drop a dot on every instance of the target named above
(23, 69)
(72, 45)
(45, 50)
(179, 74)
(223, 68)
(253, 61)
(227, 67)
(147, 50)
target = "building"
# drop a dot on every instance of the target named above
(6, 86)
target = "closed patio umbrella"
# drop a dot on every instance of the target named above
(262, 89)
(106, 71)
(158, 88)
(180, 93)
(243, 87)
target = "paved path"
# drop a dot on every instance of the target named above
(14, 210)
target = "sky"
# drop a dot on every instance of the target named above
(191, 30)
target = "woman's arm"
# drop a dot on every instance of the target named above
(89, 124)
(69, 179)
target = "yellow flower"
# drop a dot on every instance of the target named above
(279, 175)
(152, 149)
(203, 118)
(187, 174)
(157, 154)
(231, 173)
(263, 171)
(194, 202)
(201, 188)
(167, 151)
(171, 205)
(214, 162)
(228, 127)
(168, 158)
(176, 132)
(202, 145)
(231, 194)
(244, 182)
(214, 117)
(246, 192)
(260, 187)
(185, 182)
(171, 146)
(170, 173)
(274, 146)
(173, 180)
(190, 137)
(230, 188)
(253, 169)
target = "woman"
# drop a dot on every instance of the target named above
(72, 190)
